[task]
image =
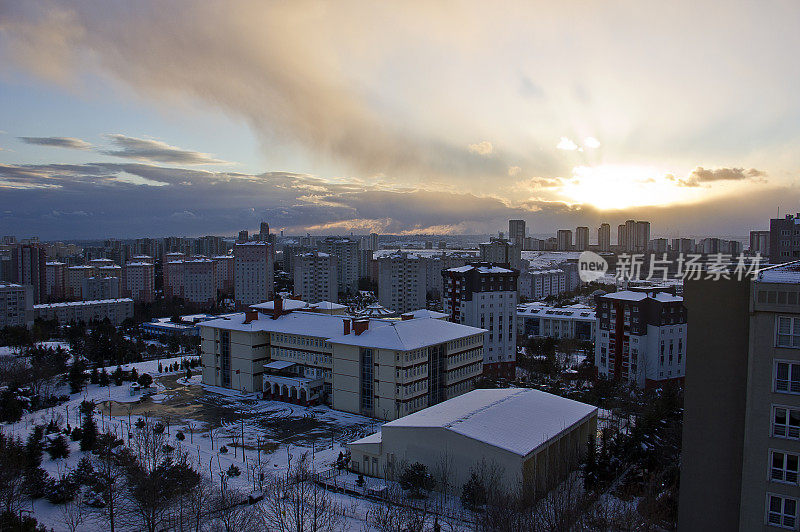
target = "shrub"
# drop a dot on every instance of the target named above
(233, 471)
(145, 380)
(58, 448)
(223, 450)
(416, 480)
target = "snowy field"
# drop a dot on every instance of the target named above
(210, 418)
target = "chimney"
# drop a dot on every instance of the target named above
(277, 307)
(406, 316)
(346, 325)
(250, 315)
(360, 325)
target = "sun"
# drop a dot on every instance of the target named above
(610, 187)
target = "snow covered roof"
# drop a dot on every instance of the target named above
(83, 303)
(783, 273)
(279, 364)
(540, 309)
(481, 269)
(328, 305)
(299, 322)
(405, 335)
(426, 313)
(375, 310)
(630, 295)
(372, 438)
(518, 420)
(288, 304)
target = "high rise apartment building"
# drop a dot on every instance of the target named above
(484, 295)
(139, 281)
(16, 305)
(402, 282)
(348, 258)
(604, 237)
(501, 251)
(581, 239)
(741, 438)
(564, 238)
(516, 232)
(316, 277)
(55, 281)
(253, 273)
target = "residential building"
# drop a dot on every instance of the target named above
(683, 245)
(501, 251)
(533, 438)
(16, 305)
(55, 281)
(139, 280)
(564, 238)
(784, 239)
(658, 245)
(539, 284)
(402, 282)
(116, 310)
(225, 272)
(95, 288)
(759, 243)
(28, 268)
(380, 368)
(642, 236)
(742, 423)
(604, 237)
(209, 246)
(641, 336)
(484, 295)
(199, 285)
(516, 232)
(75, 277)
(316, 277)
(581, 238)
(539, 320)
(253, 273)
(348, 260)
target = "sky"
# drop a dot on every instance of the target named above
(149, 118)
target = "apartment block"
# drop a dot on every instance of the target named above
(751, 338)
(539, 320)
(348, 260)
(604, 237)
(55, 281)
(139, 281)
(16, 305)
(501, 251)
(641, 337)
(253, 273)
(784, 239)
(316, 277)
(484, 295)
(116, 310)
(402, 282)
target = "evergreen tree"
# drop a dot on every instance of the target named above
(95, 378)
(473, 493)
(58, 448)
(89, 435)
(76, 376)
(34, 448)
(104, 380)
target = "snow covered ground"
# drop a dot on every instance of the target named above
(210, 418)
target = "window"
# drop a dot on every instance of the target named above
(784, 467)
(785, 423)
(787, 377)
(788, 332)
(781, 511)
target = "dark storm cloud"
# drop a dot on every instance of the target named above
(701, 175)
(57, 142)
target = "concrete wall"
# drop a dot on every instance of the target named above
(714, 413)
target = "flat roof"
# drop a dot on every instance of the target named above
(630, 295)
(405, 335)
(279, 364)
(782, 273)
(288, 304)
(518, 420)
(84, 303)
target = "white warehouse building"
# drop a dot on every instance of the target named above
(533, 437)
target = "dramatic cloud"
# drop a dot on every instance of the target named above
(701, 175)
(58, 142)
(156, 151)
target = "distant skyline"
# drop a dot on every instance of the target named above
(183, 118)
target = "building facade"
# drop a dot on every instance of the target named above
(16, 305)
(484, 295)
(116, 310)
(402, 282)
(641, 337)
(316, 277)
(253, 273)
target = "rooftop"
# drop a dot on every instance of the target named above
(84, 303)
(288, 304)
(405, 335)
(782, 273)
(518, 420)
(629, 295)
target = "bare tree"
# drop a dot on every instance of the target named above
(73, 513)
(299, 504)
